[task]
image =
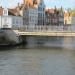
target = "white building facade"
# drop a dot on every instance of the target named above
(30, 16)
(11, 21)
(35, 15)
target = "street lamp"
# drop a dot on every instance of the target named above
(1, 15)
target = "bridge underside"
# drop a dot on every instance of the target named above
(53, 33)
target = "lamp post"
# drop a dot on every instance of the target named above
(1, 14)
(1, 21)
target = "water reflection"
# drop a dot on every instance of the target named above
(40, 60)
(54, 42)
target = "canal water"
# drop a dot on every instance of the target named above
(55, 57)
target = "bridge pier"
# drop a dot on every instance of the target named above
(12, 36)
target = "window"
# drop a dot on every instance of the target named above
(5, 12)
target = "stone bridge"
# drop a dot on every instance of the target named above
(46, 31)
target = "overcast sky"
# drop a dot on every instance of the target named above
(49, 3)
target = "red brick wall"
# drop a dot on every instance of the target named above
(1, 11)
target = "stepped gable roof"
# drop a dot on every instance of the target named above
(31, 4)
(12, 12)
(15, 11)
(28, 3)
(67, 14)
(52, 11)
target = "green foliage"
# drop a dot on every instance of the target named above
(73, 12)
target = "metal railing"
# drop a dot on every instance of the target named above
(45, 28)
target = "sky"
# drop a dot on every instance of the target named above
(49, 3)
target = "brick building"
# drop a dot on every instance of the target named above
(54, 17)
(1, 11)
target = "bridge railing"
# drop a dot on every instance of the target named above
(45, 28)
